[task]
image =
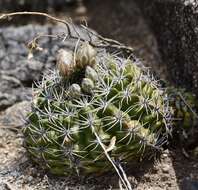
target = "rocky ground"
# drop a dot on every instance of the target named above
(173, 171)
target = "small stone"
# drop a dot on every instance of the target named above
(30, 178)
(165, 154)
(166, 168)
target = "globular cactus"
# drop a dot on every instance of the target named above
(94, 105)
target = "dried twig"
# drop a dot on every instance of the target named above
(110, 42)
(101, 43)
(9, 15)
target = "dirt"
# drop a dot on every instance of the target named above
(172, 171)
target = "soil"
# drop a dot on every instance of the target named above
(172, 171)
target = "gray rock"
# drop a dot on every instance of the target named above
(6, 100)
(35, 5)
(189, 184)
(175, 25)
(25, 71)
(12, 90)
(15, 115)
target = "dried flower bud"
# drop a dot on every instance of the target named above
(64, 62)
(87, 85)
(86, 55)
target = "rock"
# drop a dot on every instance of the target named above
(6, 100)
(127, 25)
(15, 115)
(175, 25)
(190, 184)
(165, 154)
(12, 91)
(25, 71)
(35, 5)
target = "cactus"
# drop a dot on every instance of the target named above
(184, 106)
(95, 104)
(185, 118)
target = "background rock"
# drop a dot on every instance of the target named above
(125, 23)
(14, 116)
(175, 25)
(34, 5)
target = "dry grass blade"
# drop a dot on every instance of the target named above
(121, 175)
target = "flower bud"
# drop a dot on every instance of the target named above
(87, 85)
(64, 62)
(91, 73)
(85, 55)
(74, 91)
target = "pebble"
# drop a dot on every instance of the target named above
(30, 178)
(165, 154)
(166, 168)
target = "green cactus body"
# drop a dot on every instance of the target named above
(112, 101)
(184, 105)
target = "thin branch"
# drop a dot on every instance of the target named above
(110, 43)
(9, 15)
(33, 44)
(105, 42)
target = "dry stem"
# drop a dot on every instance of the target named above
(101, 43)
